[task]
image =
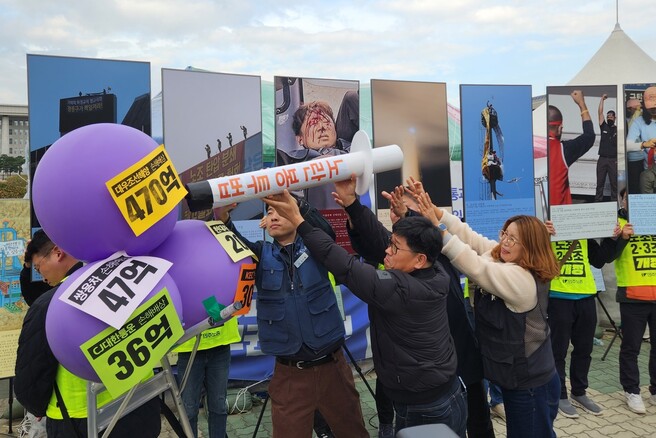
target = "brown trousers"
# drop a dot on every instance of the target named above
(330, 388)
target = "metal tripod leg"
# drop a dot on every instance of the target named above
(259, 418)
(618, 330)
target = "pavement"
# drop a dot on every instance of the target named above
(616, 420)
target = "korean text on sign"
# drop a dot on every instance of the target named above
(123, 357)
(147, 191)
(111, 289)
(236, 249)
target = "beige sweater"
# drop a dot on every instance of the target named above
(471, 254)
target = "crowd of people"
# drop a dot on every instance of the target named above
(531, 299)
(432, 363)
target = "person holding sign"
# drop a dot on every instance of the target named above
(573, 313)
(413, 351)
(299, 323)
(636, 292)
(43, 386)
(562, 154)
(511, 302)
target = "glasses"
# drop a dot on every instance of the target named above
(37, 267)
(396, 249)
(511, 241)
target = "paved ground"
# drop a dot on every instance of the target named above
(616, 421)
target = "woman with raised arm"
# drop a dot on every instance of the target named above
(511, 298)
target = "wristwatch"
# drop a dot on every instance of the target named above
(442, 227)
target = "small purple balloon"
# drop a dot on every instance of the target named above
(72, 202)
(67, 327)
(201, 268)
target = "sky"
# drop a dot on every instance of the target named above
(527, 42)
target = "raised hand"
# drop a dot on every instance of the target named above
(286, 207)
(414, 187)
(428, 209)
(344, 194)
(223, 213)
(396, 201)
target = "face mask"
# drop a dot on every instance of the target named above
(610, 122)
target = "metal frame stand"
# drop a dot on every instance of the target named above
(107, 416)
(618, 329)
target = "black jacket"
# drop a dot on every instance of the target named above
(36, 365)
(470, 364)
(412, 349)
(36, 370)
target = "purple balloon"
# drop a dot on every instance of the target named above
(201, 268)
(67, 327)
(72, 202)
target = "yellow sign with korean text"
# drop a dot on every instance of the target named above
(236, 249)
(147, 191)
(122, 358)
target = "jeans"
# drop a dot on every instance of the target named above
(210, 369)
(496, 397)
(531, 412)
(449, 409)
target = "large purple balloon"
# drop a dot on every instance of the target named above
(201, 268)
(67, 327)
(72, 202)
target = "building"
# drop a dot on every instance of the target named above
(14, 130)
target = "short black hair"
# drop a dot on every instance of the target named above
(611, 112)
(40, 244)
(422, 236)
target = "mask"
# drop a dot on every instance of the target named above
(610, 122)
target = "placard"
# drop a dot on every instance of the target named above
(147, 191)
(111, 289)
(123, 357)
(236, 249)
(245, 287)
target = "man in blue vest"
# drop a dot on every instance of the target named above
(412, 347)
(299, 323)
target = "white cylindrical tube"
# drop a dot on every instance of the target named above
(260, 183)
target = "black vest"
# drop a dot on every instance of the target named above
(516, 347)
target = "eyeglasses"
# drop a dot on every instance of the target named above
(396, 249)
(511, 241)
(37, 268)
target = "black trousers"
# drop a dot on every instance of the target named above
(573, 321)
(635, 317)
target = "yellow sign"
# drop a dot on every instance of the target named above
(147, 191)
(245, 287)
(236, 249)
(122, 358)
